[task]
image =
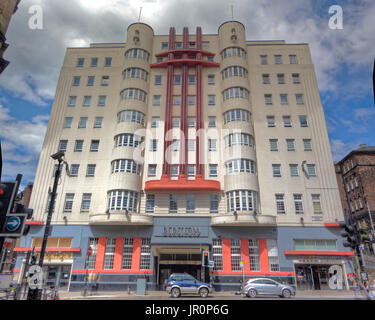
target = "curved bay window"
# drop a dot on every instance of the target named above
(137, 53)
(133, 93)
(240, 165)
(122, 199)
(125, 165)
(127, 140)
(241, 200)
(234, 71)
(235, 92)
(135, 73)
(238, 139)
(233, 52)
(237, 115)
(131, 116)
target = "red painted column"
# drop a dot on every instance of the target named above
(226, 256)
(263, 256)
(99, 263)
(117, 260)
(136, 255)
(245, 254)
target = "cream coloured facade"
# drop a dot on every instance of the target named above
(214, 132)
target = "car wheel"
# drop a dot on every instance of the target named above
(203, 292)
(175, 292)
(286, 293)
(252, 293)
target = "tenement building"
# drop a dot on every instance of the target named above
(183, 143)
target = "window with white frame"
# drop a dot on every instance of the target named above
(299, 98)
(109, 253)
(191, 145)
(239, 166)
(174, 170)
(290, 146)
(296, 78)
(307, 145)
(133, 93)
(233, 52)
(317, 206)
(254, 255)
(90, 172)
(175, 122)
(211, 144)
(173, 203)
(235, 254)
(67, 122)
(72, 101)
(280, 203)
(298, 204)
(122, 199)
(280, 78)
(266, 79)
(241, 139)
(191, 100)
(271, 121)
(94, 146)
(86, 202)
(127, 253)
(241, 200)
(235, 92)
(127, 140)
(287, 121)
(145, 262)
(68, 204)
(315, 245)
(125, 165)
(273, 257)
(91, 259)
(153, 145)
(234, 71)
(155, 122)
(212, 170)
(131, 116)
(214, 203)
(273, 145)
(211, 122)
(303, 121)
(74, 168)
(190, 203)
(176, 100)
(82, 122)
(276, 170)
(311, 170)
(278, 59)
(156, 100)
(211, 100)
(293, 170)
(292, 59)
(175, 145)
(78, 146)
(151, 170)
(217, 254)
(284, 99)
(191, 122)
(150, 203)
(98, 122)
(237, 115)
(191, 170)
(263, 59)
(268, 99)
(137, 54)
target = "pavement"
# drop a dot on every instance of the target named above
(162, 295)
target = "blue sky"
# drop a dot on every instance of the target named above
(343, 59)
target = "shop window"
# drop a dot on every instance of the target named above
(254, 255)
(109, 253)
(273, 257)
(145, 262)
(127, 253)
(235, 254)
(217, 254)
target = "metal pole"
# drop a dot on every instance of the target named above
(372, 224)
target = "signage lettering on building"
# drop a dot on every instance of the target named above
(181, 232)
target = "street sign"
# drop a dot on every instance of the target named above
(36, 278)
(242, 264)
(362, 247)
(211, 263)
(13, 223)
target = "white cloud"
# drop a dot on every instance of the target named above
(340, 149)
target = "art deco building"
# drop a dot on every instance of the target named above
(184, 143)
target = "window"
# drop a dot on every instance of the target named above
(74, 168)
(287, 121)
(122, 199)
(266, 79)
(152, 170)
(242, 139)
(241, 200)
(233, 52)
(177, 79)
(86, 201)
(76, 80)
(125, 165)
(157, 80)
(263, 59)
(98, 122)
(175, 122)
(307, 145)
(268, 99)
(82, 122)
(235, 92)
(284, 99)
(90, 172)
(90, 262)
(303, 121)
(137, 54)
(72, 101)
(211, 100)
(205, 45)
(190, 203)
(273, 145)
(174, 170)
(316, 203)
(131, 116)
(175, 145)
(211, 122)
(278, 59)
(296, 78)
(191, 100)
(292, 59)
(211, 144)
(173, 200)
(217, 254)
(90, 81)
(281, 78)
(276, 170)
(78, 146)
(240, 165)
(94, 147)
(235, 254)
(214, 203)
(101, 101)
(94, 62)
(178, 45)
(145, 262)
(254, 255)
(234, 71)
(127, 253)
(153, 145)
(68, 204)
(135, 73)
(315, 245)
(213, 170)
(109, 254)
(273, 257)
(298, 205)
(293, 170)
(191, 170)
(191, 122)
(150, 203)
(164, 45)
(68, 122)
(299, 98)
(176, 100)
(237, 115)
(108, 62)
(280, 203)
(191, 79)
(80, 62)
(62, 145)
(156, 100)
(191, 45)
(155, 122)
(127, 140)
(191, 145)
(49, 203)
(133, 93)
(311, 170)
(270, 121)
(290, 145)
(86, 101)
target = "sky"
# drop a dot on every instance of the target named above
(343, 58)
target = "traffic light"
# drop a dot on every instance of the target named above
(205, 258)
(33, 260)
(351, 234)
(7, 195)
(20, 208)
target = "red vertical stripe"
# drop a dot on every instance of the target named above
(117, 260)
(226, 256)
(136, 255)
(245, 254)
(263, 255)
(99, 263)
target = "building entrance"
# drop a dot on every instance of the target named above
(312, 277)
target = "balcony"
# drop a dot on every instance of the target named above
(243, 220)
(119, 217)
